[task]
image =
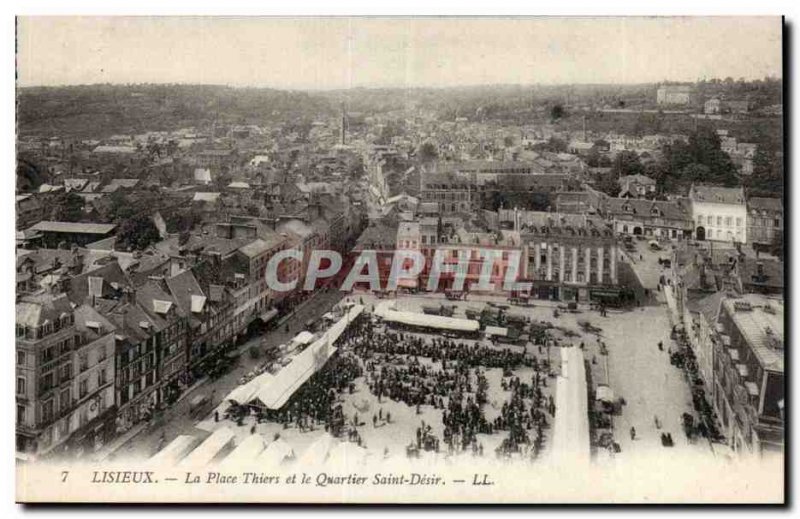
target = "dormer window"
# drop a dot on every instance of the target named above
(161, 307)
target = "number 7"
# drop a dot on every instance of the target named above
(64, 475)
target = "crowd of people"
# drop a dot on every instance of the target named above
(448, 375)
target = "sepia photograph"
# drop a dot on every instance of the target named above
(400, 260)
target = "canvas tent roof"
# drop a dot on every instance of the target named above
(317, 452)
(430, 321)
(176, 450)
(247, 451)
(209, 449)
(247, 392)
(571, 436)
(273, 391)
(304, 337)
(276, 453)
(496, 330)
(345, 455)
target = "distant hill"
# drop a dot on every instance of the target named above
(103, 110)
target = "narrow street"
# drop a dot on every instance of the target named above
(651, 386)
(176, 420)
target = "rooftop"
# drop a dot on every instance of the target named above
(35, 310)
(256, 247)
(765, 204)
(74, 227)
(717, 195)
(761, 325)
(638, 179)
(671, 210)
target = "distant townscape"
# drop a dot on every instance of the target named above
(646, 219)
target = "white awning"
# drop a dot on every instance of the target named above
(496, 330)
(176, 450)
(209, 449)
(346, 455)
(275, 454)
(571, 424)
(244, 453)
(430, 321)
(317, 452)
(247, 392)
(276, 390)
(304, 337)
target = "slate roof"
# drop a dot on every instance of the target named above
(717, 195)
(74, 227)
(34, 310)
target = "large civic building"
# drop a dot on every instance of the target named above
(568, 257)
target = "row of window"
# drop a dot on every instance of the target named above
(50, 353)
(136, 387)
(766, 222)
(727, 221)
(48, 327)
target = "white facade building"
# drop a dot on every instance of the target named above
(719, 213)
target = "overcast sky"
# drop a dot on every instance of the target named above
(319, 53)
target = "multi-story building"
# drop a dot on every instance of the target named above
(45, 339)
(748, 391)
(465, 191)
(674, 95)
(570, 257)
(193, 303)
(764, 221)
(64, 375)
(477, 247)
(700, 316)
(137, 378)
(660, 219)
(217, 314)
(380, 238)
(719, 213)
(92, 423)
(452, 193)
(170, 329)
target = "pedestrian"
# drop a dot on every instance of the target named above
(633, 433)
(661, 345)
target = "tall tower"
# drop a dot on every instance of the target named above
(344, 125)
(584, 128)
